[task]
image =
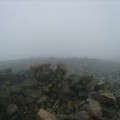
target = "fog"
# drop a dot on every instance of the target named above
(60, 29)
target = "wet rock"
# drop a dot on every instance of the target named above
(94, 110)
(45, 115)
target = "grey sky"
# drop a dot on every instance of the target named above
(59, 28)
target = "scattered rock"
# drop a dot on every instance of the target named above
(65, 96)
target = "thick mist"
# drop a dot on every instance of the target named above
(59, 29)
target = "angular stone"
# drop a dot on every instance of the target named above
(107, 98)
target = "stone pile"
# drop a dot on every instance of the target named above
(49, 92)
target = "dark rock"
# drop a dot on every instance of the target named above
(111, 114)
(82, 115)
(30, 83)
(106, 98)
(16, 89)
(117, 95)
(12, 109)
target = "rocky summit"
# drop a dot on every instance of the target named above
(47, 92)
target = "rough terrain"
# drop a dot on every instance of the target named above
(48, 92)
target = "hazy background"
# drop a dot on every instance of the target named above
(59, 28)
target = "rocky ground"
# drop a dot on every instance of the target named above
(47, 92)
